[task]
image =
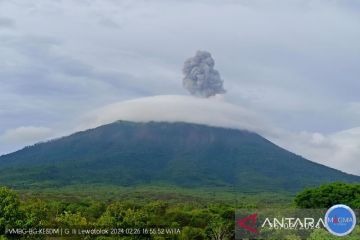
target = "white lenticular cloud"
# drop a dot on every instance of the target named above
(177, 108)
(25, 135)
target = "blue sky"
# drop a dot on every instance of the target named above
(293, 64)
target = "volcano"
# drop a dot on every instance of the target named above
(161, 153)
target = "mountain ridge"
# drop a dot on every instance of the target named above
(182, 154)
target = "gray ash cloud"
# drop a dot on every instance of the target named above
(201, 79)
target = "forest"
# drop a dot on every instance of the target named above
(150, 214)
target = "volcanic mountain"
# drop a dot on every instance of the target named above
(161, 153)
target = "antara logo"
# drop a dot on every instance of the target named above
(244, 223)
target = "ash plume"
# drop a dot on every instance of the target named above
(201, 79)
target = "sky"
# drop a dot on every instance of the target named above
(290, 69)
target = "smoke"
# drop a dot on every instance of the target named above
(201, 79)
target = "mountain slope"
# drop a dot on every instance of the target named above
(181, 154)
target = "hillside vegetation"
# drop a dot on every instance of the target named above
(164, 154)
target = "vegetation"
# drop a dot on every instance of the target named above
(159, 181)
(203, 219)
(329, 195)
(198, 214)
(164, 154)
(322, 234)
(10, 215)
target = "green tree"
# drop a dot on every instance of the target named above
(218, 229)
(328, 195)
(71, 219)
(190, 233)
(95, 210)
(36, 213)
(156, 212)
(123, 215)
(10, 213)
(321, 234)
(179, 216)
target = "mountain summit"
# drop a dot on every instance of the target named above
(161, 153)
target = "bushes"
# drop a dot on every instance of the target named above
(322, 234)
(10, 214)
(328, 195)
(195, 220)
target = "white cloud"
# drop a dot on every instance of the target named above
(212, 111)
(340, 150)
(290, 59)
(25, 135)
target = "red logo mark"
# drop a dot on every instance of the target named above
(252, 220)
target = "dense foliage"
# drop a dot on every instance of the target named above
(10, 215)
(322, 234)
(328, 195)
(196, 220)
(197, 214)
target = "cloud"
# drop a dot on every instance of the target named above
(200, 77)
(26, 135)
(6, 23)
(38, 66)
(293, 63)
(340, 150)
(291, 59)
(174, 108)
